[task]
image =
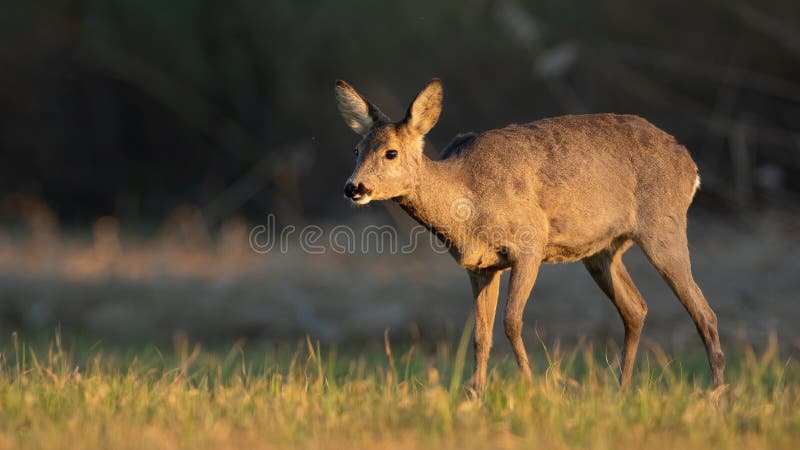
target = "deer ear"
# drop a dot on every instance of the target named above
(425, 109)
(357, 112)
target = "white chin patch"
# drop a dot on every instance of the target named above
(361, 199)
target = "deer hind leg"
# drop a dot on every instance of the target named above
(485, 288)
(523, 276)
(669, 253)
(609, 272)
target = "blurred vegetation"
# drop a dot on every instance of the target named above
(135, 107)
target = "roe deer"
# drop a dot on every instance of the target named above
(556, 190)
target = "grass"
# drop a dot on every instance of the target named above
(86, 396)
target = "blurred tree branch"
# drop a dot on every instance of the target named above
(783, 33)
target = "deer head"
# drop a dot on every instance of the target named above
(389, 154)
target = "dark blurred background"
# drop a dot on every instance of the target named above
(124, 118)
(135, 107)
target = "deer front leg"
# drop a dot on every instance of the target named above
(523, 275)
(485, 288)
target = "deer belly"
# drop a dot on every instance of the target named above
(569, 247)
(556, 253)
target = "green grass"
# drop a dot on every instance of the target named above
(54, 395)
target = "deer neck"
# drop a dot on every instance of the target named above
(439, 198)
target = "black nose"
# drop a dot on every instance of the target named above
(350, 190)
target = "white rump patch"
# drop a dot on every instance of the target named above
(696, 185)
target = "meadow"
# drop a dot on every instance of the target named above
(73, 393)
(117, 374)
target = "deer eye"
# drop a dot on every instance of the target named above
(355, 151)
(391, 154)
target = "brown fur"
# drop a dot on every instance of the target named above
(556, 190)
